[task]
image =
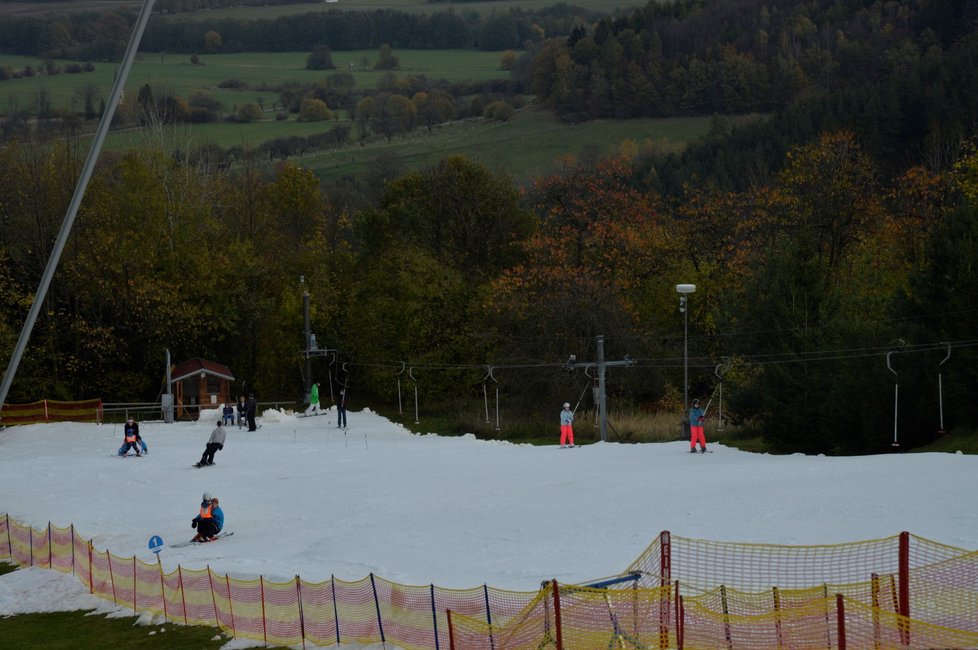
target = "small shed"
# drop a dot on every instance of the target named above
(200, 383)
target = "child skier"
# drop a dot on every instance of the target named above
(566, 426)
(210, 521)
(131, 439)
(696, 419)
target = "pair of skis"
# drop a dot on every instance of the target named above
(220, 535)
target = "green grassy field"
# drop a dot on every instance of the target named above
(525, 146)
(180, 76)
(482, 7)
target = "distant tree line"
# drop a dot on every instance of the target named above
(103, 36)
(671, 58)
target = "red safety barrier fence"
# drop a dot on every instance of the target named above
(50, 410)
(937, 584)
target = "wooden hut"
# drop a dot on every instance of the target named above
(200, 383)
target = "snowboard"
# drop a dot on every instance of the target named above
(220, 535)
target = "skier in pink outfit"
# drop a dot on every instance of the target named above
(696, 420)
(567, 426)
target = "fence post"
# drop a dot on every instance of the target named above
(183, 593)
(904, 571)
(227, 583)
(492, 640)
(159, 562)
(681, 616)
(108, 556)
(91, 569)
(30, 540)
(50, 551)
(451, 630)
(302, 622)
(134, 583)
(210, 583)
(726, 616)
(560, 632)
(874, 587)
(776, 597)
(336, 613)
(380, 621)
(10, 548)
(840, 610)
(264, 627)
(434, 614)
(665, 575)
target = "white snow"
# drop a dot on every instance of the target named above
(306, 498)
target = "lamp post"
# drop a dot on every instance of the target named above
(684, 290)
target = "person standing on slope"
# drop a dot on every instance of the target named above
(696, 419)
(566, 426)
(313, 400)
(341, 409)
(210, 521)
(215, 443)
(251, 408)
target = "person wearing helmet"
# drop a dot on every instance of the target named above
(210, 521)
(131, 439)
(566, 426)
(696, 419)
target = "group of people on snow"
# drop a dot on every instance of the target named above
(314, 408)
(697, 418)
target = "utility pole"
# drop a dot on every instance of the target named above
(601, 366)
(310, 348)
(76, 199)
(309, 343)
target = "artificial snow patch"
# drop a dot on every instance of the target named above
(271, 416)
(41, 590)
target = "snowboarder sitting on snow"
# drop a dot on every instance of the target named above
(215, 442)
(131, 439)
(210, 521)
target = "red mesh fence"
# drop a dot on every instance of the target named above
(758, 596)
(50, 410)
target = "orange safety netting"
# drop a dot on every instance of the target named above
(898, 592)
(50, 410)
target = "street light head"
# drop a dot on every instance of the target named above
(685, 288)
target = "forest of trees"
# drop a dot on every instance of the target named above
(842, 228)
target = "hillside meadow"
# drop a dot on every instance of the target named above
(527, 145)
(258, 69)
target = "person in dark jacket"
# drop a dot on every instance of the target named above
(227, 413)
(131, 439)
(251, 408)
(341, 409)
(210, 521)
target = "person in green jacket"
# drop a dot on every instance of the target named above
(313, 400)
